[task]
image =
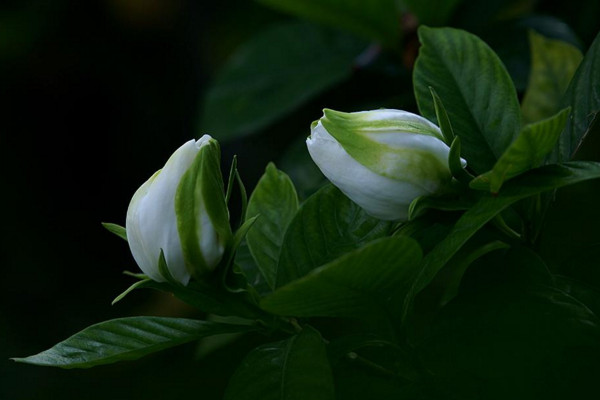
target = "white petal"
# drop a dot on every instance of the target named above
(380, 196)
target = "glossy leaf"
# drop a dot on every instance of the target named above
(327, 226)
(480, 98)
(528, 151)
(583, 96)
(358, 283)
(432, 12)
(126, 339)
(296, 368)
(533, 182)
(373, 19)
(274, 202)
(553, 64)
(272, 74)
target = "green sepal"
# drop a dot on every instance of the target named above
(163, 270)
(455, 163)
(116, 229)
(442, 117)
(130, 289)
(237, 240)
(201, 190)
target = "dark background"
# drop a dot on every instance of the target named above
(95, 96)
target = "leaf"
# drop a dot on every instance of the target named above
(373, 19)
(126, 339)
(273, 73)
(359, 282)
(327, 225)
(207, 297)
(432, 12)
(533, 182)
(275, 202)
(116, 229)
(441, 116)
(553, 63)
(527, 151)
(583, 95)
(296, 368)
(510, 341)
(480, 98)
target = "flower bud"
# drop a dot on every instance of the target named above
(382, 159)
(181, 212)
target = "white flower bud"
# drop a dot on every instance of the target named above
(382, 159)
(181, 211)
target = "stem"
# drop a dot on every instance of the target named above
(499, 223)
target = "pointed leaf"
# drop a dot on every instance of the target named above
(553, 64)
(480, 98)
(293, 369)
(116, 229)
(528, 151)
(327, 225)
(126, 339)
(358, 283)
(275, 202)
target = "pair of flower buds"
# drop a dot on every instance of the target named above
(382, 160)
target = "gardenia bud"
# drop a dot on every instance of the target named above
(382, 159)
(181, 211)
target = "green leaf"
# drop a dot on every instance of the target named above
(296, 368)
(432, 12)
(510, 341)
(531, 183)
(126, 339)
(553, 63)
(327, 225)
(373, 19)
(441, 116)
(358, 283)
(116, 229)
(462, 263)
(275, 202)
(480, 98)
(272, 74)
(528, 151)
(583, 95)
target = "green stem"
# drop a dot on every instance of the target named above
(499, 223)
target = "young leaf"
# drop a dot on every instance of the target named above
(531, 183)
(553, 63)
(327, 225)
(126, 339)
(275, 202)
(272, 74)
(583, 95)
(358, 283)
(479, 95)
(296, 368)
(116, 229)
(373, 19)
(528, 151)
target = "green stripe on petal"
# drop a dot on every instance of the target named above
(201, 211)
(354, 132)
